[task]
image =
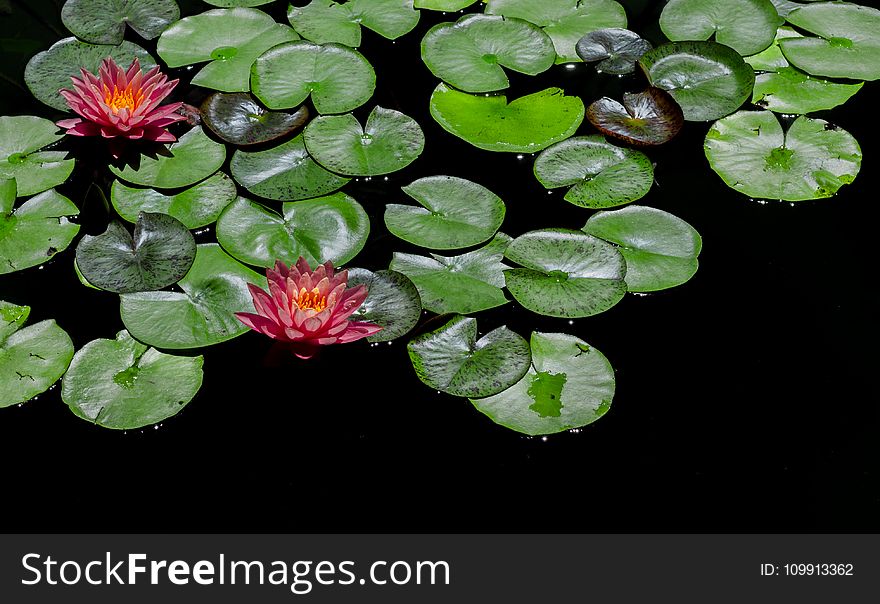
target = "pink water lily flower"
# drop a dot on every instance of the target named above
(308, 308)
(121, 104)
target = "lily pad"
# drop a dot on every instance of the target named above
(31, 359)
(708, 80)
(22, 139)
(50, 71)
(567, 273)
(122, 384)
(650, 117)
(333, 229)
(286, 172)
(104, 21)
(848, 45)
(660, 249)
(565, 21)
(527, 125)
(239, 119)
(569, 385)
(452, 360)
(614, 50)
(392, 302)
(471, 53)
(601, 175)
(389, 142)
(747, 26)
(214, 290)
(462, 284)
(159, 254)
(337, 78)
(324, 21)
(195, 207)
(193, 158)
(34, 232)
(455, 213)
(447, 6)
(231, 39)
(237, 3)
(751, 153)
(783, 7)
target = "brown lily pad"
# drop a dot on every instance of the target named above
(616, 50)
(650, 117)
(240, 119)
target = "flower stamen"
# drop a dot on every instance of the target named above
(312, 300)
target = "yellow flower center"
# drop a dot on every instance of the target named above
(126, 98)
(312, 300)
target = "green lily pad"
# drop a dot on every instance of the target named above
(462, 284)
(34, 232)
(848, 45)
(22, 139)
(471, 53)
(195, 207)
(452, 360)
(389, 142)
(660, 249)
(231, 39)
(159, 254)
(751, 153)
(214, 290)
(333, 228)
(324, 21)
(567, 273)
(601, 175)
(783, 7)
(122, 384)
(527, 125)
(444, 5)
(569, 385)
(336, 77)
(31, 359)
(50, 71)
(239, 119)
(747, 26)
(392, 302)
(194, 157)
(237, 3)
(614, 50)
(709, 80)
(455, 213)
(104, 21)
(565, 21)
(650, 117)
(286, 173)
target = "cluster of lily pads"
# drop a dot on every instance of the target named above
(279, 116)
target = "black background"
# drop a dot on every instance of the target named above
(746, 398)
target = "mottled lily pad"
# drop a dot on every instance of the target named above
(104, 21)
(392, 302)
(195, 207)
(614, 50)
(239, 119)
(23, 139)
(747, 26)
(650, 117)
(324, 21)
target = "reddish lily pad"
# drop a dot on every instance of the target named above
(650, 117)
(616, 50)
(239, 119)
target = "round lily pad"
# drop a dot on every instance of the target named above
(601, 175)
(159, 254)
(569, 385)
(239, 119)
(31, 359)
(22, 139)
(50, 71)
(325, 21)
(455, 213)
(452, 360)
(104, 21)
(751, 153)
(660, 249)
(195, 207)
(286, 172)
(214, 290)
(122, 384)
(708, 80)
(650, 117)
(389, 142)
(527, 125)
(337, 78)
(462, 284)
(231, 39)
(471, 53)
(392, 302)
(747, 26)
(34, 232)
(614, 50)
(327, 229)
(237, 3)
(193, 158)
(447, 6)
(567, 273)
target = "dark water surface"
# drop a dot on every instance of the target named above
(747, 399)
